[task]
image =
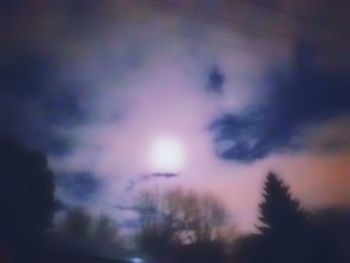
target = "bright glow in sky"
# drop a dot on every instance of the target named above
(167, 155)
(131, 97)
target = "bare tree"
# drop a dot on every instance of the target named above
(75, 225)
(158, 224)
(211, 219)
(85, 230)
(106, 232)
(179, 216)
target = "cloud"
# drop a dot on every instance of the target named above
(94, 84)
(216, 80)
(317, 180)
(295, 99)
(82, 186)
(35, 100)
(146, 177)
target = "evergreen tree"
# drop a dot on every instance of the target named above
(279, 212)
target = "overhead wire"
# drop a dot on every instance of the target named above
(128, 19)
(214, 18)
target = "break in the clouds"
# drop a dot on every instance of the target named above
(94, 84)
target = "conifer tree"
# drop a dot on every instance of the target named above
(279, 211)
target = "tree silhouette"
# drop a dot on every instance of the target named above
(288, 234)
(279, 212)
(332, 227)
(26, 197)
(247, 249)
(76, 225)
(83, 231)
(182, 225)
(285, 229)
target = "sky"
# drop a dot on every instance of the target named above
(243, 88)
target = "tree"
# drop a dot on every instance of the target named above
(159, 222)
(176, 217)
(106, 232)
(26, 196)
(211, 219)
(332, 238)
(75, 225)
(279, 212)
(84, 231)
(285, 230)
(288, 234)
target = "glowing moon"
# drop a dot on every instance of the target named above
(167, 155)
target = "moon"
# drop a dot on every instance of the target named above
(167, 155)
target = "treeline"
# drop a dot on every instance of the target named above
(175, 225)
(185, 226)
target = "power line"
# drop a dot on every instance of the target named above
(230, 22)
(105, 13)
(252, 28)
(306, 20)
(280, 10)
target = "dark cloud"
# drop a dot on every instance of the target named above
(130, 223)
(25, 72)
(126, 208)
(146, 177)
(295, 99)
(33, 100)
(55, 66)
(82, 186)
(216, 80)
(63, 109)
(39, 94)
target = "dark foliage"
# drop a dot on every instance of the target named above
(332, 226)
(181, 226)
(201, 252)
(284, 229)
(26, 197)
(157, 245)
(279, 212)
(289, 234)
(247, 249)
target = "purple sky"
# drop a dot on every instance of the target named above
(136, 71)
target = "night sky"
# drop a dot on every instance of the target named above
(235, 88)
